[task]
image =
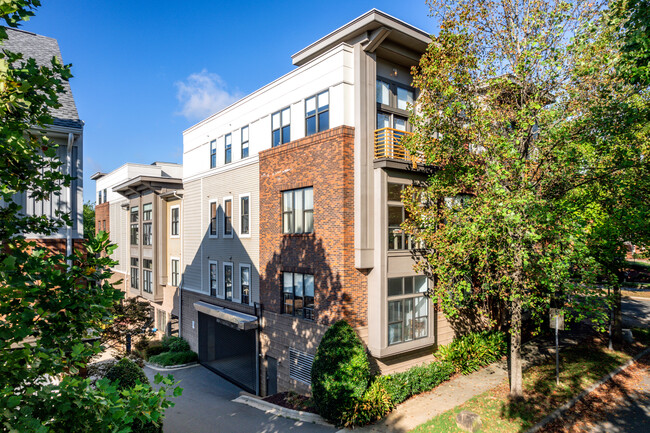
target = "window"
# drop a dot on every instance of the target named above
(213, 153)
(147, 238)
(298, 211)
(175, 220)
(213, 278)
(281, 127)
(227, 280)
(245, 283)
(134, 225)
(408, 309)
(99, 197)
(244, 215)
(175, 271)
(397, 239)
(213, 219)
(392, 104)
(317, 115)
(298, 294)
(146, 211)
(104, 199)
(228, 149)
(135, 270)
(227, 217)
(147, 284)
(244, 142)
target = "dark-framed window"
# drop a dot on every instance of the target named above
(135, 271)
(213, 153)
(147, 211)
(244, 142)
(393, 100)
(245, 282)
(213, 219)
(175, 272)
(147, 280)
(408, 309)
(175, 220)
(227, 217)
(397, 239)
(244, 215)
(228, 149)
(104, 201)
(227, 280)
(147, 234)
(298, 294)
(281, 126)
(213, 278)
(134, 225)
(317, 114)
(298, 211)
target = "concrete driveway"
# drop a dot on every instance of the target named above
(206, 407)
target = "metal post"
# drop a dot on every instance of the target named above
(557, 350)
(128, 343)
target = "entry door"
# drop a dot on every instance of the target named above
(271, 376)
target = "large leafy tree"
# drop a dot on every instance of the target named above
(511, 96)
(48, 308)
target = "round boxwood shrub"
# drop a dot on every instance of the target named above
(340, 373)
(126, 372)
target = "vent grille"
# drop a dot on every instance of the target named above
(300, 366)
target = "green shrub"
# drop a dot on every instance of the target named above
(473, 351)
(174, 358)
(340, 372)
(175, 344)
(418, 379)
(373, 406)
(153, 350)
(126, 373)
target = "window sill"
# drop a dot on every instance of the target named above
(299, 235)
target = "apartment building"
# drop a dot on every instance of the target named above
(292, 215)
(141, 208)
(66, 131)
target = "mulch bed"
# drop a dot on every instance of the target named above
(291, 400)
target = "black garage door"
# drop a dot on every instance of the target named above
(228, 351)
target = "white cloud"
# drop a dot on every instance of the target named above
(203, 94)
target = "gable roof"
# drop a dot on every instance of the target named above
(42, 49)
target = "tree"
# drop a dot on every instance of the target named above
(131, 317)
(89, 219)
(49, 308)
(509, 93)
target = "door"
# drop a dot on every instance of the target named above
(271, 376)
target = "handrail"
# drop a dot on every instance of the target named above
(388, 145)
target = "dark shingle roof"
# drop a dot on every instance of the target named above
(42, 49)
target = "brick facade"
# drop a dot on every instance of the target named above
(102, 217)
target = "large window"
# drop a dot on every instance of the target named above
(175, 220)
(298, 211)
(227, 280)
(281, 126)
(408, 309)
(317, 114)
(244, 142)
(175, 272)
(245, 283)
(147, 281)
(392, 104)
(147, 234)
(146, 211)
(298, 294)
(213, 278)
(397, 239)
(227, 217)
(228, 149)
(134, 225)
(213, 153)
(213, 219)
(244, 215)
(135, 270)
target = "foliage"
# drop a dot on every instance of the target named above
(89, 219)
(415, 380)
(130, 316)
(127, 374)
(340, 373)
(174, 358)
(472, 351)
(373, 406)
(175, 344)
(153, 350)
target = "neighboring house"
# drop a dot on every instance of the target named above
(67, 132)
(292, 215)
(141, 208)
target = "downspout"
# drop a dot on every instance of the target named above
(68, 231)
(180, 286)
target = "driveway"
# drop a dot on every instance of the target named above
(636, 312)
(206, 406)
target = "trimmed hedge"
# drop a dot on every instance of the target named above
(175, 344)
(418, 379)
(473, 351)
(126, 373)
(153, 350)
(340, 373)
(174, 358)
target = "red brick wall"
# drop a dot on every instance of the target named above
(102, 216)
(326, 162)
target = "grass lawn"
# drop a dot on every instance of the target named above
(580, 367)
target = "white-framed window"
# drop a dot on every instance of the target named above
(244, 142)
(213, 153)
(227, 149)
(227, 217)
(298, 294)
(228, 280)
(408, 309)
(298, 211)
(245, 283)
(281, 126)
(213, 282)
(317, 113)
(147, 280)
(135, 272)
(213, 215)
(245, 215)
(175, 221)
(174, 271)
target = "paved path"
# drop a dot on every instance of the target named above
(206, 407)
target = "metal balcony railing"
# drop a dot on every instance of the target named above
(388, 145)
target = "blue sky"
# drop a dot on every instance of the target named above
(144, 70)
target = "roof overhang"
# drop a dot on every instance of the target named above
(97, 175)
(231, 318)
(142, 183)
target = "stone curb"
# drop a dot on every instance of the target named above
(557, 413)
(171, 367)
(274, 409)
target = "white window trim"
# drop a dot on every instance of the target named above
(180, 223)
(171, 259)
(216, 235)
(223, 217)
(250, 215)
(250, 282)
(216, 263)
(223, 280)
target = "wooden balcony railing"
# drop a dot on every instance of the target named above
(388, 145)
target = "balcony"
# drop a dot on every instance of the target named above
(388, 146)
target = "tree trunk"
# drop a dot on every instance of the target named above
(516, 376)
(617, 322)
